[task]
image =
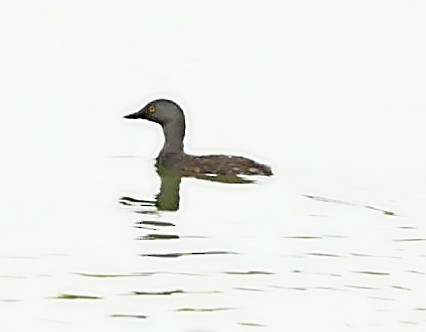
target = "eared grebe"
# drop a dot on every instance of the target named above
(170, 116)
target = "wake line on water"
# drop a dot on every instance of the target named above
(335, 201)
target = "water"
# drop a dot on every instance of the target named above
(85, 246)
(92, 238)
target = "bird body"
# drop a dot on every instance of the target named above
(172, 156)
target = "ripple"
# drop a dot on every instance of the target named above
(360, 255)
(156, 223)
(95, 275)
(373, 273)
(191, 274)
(77, 297)
(324, 274)
(128, 316)
(248, 272)
(150, 237)
(327, 288)
(145, 227)
(408, 322)
(410, 240)
(251, 324)
(335, 201)
(135, 274)
(180, 254)
(18, 257)
(12, 277)
(129, 201)
(149, 212)
(416, 272)
(401, 287)
(248, 289)
(322, 254)
(172, 292)
(362, 287)
(302, 237)
(297, 288)
(204, 309)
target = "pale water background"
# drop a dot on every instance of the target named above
(331, 94)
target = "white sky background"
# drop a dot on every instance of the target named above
(336, 82)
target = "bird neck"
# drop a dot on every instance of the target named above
(174, 133)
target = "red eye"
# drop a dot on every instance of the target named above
(151, 109)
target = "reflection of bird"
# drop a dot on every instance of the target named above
(170, 116)
(168, 198)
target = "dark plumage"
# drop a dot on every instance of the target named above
(172, 156)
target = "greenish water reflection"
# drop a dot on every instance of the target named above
(169, 197)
